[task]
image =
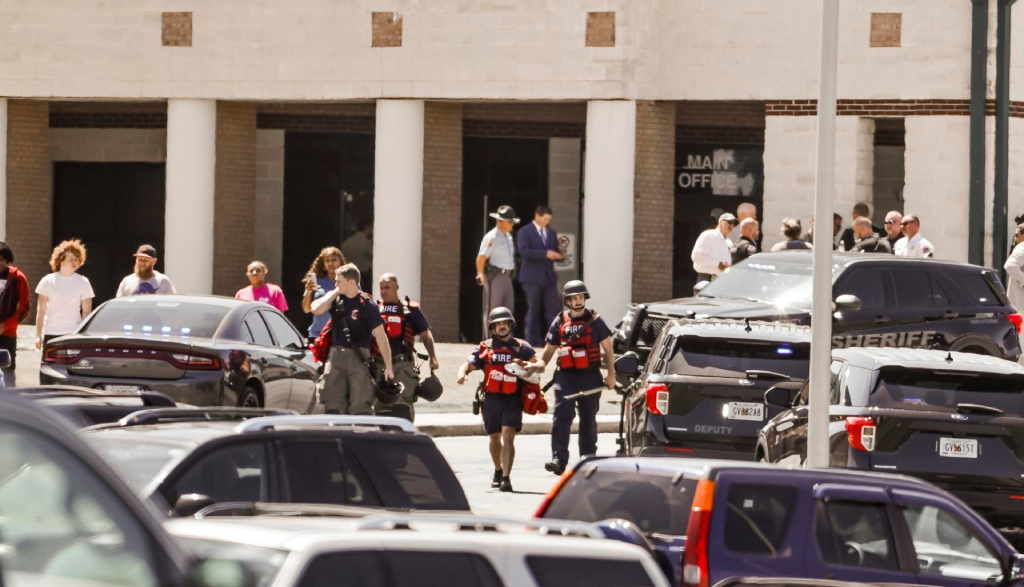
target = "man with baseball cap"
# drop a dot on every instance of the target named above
(712, 253)
(145, 279)
(496, 261)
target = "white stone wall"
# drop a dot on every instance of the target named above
(855, 164)
(108, 145)
(938, 181)
(270, 200)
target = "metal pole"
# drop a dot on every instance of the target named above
(1000, 215)
(821, 309)
(979, 86)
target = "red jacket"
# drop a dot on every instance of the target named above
(13, 302)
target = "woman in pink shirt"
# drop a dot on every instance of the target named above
(260, 290)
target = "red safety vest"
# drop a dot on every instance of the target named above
(582, 353)
(496, 378)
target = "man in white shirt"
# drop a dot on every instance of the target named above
(914, 245)
(712, 252)
(1015, 271)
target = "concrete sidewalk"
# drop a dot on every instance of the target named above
(466, 424)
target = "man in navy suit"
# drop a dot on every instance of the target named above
(538, 247)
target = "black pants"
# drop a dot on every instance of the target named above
(10, 344)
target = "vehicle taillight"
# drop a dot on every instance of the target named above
(61, 355)
(695, 555)
(1017, 320)
(554, 492)
(657, 398)
(197, 362)
(861, 433)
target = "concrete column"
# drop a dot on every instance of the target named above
(398, 193)
(608, 205)
(188, 222)
(564, 195)
(3, 169)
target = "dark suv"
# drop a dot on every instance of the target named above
(901, 302)
(185, 460)
(712, 521)
(701, 393)
(953, 419)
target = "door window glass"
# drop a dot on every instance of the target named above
(319, 471)
(230, 473)
(358, 568)
(940, 297)
(912, 288)
(868, 285)
(408, 472)
(757, 517)
(947, 548)
(441, 569)
(855, 534)
(61, 524)
(258, 329)
(803, 398)
(283, 331)
(558, 571)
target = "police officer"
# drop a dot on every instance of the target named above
(578, 336)
(403, 322)
(746, 246)
(346, 387)
(503, 397)
(866, 239)
(496, 261)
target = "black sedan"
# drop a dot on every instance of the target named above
(198, 350)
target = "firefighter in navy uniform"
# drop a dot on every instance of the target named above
(403, 322)
(503, 397)
(578, 336)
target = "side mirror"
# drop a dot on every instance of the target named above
(779, 397)
(628, 364)
(223, 573)
(700, 286)
(5, 359)
(847, 303)
(190, 504)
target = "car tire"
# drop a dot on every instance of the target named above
(250, 398)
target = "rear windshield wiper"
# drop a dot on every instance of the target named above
(759, 374)
(977, 409)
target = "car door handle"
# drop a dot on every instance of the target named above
(951, 314)
(881, 320)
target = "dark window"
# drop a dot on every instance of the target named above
(912, 288)
(652, 502)
(932, 390)
(866, 284)
(757, 517)
(357, 568)
(724, 357)
(283, 331)
(802, 398)
(333, 478)
(557, 571)
(230, 473)
(408, 472)
(940, 296)
(170, 317)
(441, 569)
(854, 534)
(982, 287)
(258, 329)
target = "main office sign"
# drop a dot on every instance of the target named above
(713, 171)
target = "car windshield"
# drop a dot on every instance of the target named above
(139, 463)
(926, 389)
(139, 317)
(264, 563)
(785, 284)
(655, 503)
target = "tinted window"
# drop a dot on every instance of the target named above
(835, 367)
(729, 357)
(230, 473)
(912, 288)
(947, 548)
(137, 316)
(925, 389)
(441, 569)
(557, 571)
(854, 534)
(358, 568)
(981, 287)
(258, 329)
(782, 283)
(283, 332)
(757, 517)
(408, 472)
(652, 502)
(866, 284)
(319, 471)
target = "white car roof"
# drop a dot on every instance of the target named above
(875, 358)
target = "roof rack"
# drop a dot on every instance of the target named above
(151, 399)
(259, 508)
(471, 523)
(164, 415)
(277, 421)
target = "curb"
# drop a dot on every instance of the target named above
(531, 425)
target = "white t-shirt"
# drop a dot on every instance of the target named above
(157, 284)
(64, 301)
(711, 249)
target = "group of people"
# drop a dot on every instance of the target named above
(736, 237)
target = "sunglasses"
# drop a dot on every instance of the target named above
(891, 222)
(906, 223)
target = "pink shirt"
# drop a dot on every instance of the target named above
(269, 293)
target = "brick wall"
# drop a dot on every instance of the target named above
(720, 113)
(442, 218)
(235, 196)
(29, 190)
(654, 201)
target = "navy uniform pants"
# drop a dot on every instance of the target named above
(568, 383)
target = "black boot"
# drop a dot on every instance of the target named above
(496, 480)
(555, 466)
(506, 485)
